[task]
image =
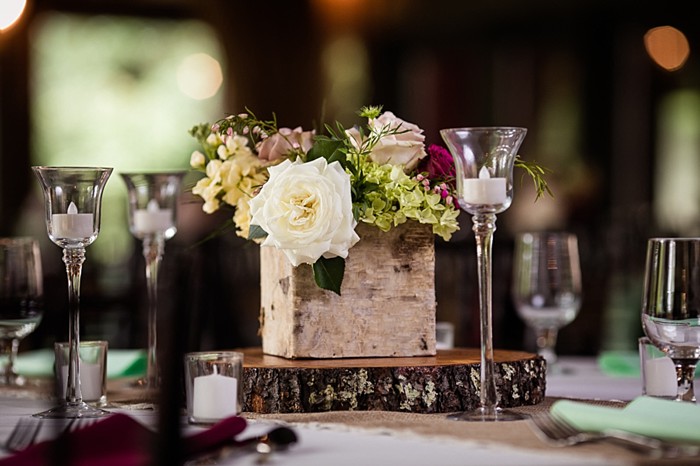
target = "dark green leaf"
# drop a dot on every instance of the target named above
(323, 147)
(256, 232)
(328, 273)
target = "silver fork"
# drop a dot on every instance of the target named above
(556, 431)
(24, 434)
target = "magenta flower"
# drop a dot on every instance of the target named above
(438, 164)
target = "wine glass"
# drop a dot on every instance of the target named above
(546, 285)
(484, 159)
(671, 305)
(152, 219)
(21, 299)
(73, 199)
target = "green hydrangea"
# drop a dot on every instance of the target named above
(388, 197)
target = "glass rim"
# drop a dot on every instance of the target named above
(67, 167)
(485, 128)
(665, 239)
(174, 171)
(193, 355)
(7, 240)
(88, 343)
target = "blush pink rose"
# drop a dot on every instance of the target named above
(286, 140)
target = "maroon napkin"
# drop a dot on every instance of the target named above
(118, 440)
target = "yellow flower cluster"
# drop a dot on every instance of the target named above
(237, 173)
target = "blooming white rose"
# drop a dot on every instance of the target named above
(306, 210)
(405, 148)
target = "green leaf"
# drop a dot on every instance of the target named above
(329, 149)
(328, 273)
(256, 232)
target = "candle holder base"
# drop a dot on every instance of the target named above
(72, 411)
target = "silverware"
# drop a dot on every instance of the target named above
(555, 431)
(278, 439)
(24, 434)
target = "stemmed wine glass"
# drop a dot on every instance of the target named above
(546, 285)
(73, 199)
(484, 159)
(671, 305)
(21, 299)
(152, 219)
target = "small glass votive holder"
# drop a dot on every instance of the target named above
(93, 370)
(444, 335)
(213, 385)
(659, 377)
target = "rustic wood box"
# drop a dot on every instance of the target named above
(386, 307)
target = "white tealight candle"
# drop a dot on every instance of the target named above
(72, 224)
(214, 397)
(660, 377)
(152, 219)
(90, 381)
(484, 190)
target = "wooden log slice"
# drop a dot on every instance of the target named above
(447, 382)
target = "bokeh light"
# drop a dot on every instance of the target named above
(10, 11)
(199, 76)
(667, 46)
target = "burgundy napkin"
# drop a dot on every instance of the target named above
(118, 440)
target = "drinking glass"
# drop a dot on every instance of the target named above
(73, 199)
(21, 299)
(546, 285)
(671, 305)
(152, 219)
(484, 159)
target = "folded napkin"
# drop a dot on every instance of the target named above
(119, 440)
(624, 363)
(120, 363)
(619, 363)
(653, 417)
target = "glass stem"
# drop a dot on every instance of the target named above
(74, 258)
(685, 373)
(9, 347)
(153, 248)
(546, 342)
(484, 225)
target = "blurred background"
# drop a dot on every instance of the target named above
(609, 92)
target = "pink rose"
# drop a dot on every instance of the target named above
(404, 148)
(283, 142)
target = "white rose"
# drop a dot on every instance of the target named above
(306, 210)
(405, 148)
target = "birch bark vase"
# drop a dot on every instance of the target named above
(386, 307)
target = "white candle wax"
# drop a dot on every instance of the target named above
(214, 397)
(660, 377)
(484, 190)
(90, 381)
(152, 219)
(72, 224)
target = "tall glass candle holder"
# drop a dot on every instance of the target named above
(72, 199)
(153, 219)
(484, 159)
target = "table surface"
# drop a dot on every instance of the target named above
(379, 437)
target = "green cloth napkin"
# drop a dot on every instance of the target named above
(624, 363)
(120, 363)
(619, 363)
(653, 417)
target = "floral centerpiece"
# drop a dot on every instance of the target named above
(337, 208)
(304, 193)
